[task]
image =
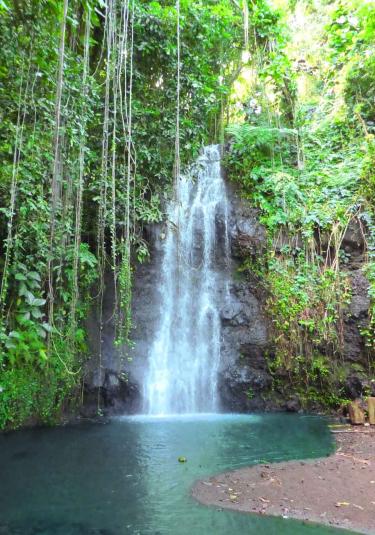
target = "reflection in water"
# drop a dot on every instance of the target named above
(124, 477)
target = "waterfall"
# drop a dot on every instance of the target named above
(185, 354)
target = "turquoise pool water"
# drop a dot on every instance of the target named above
(123, 477)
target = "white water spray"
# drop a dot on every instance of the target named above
(185, 355)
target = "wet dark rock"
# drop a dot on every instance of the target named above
(244, 376)
(356, 319)
(247, 235)
(353, 386)
(116, 396)
(119, 384)
(284, 239)
(358, 385)
(293, 404)
(241, 388)
(354, 244)
(360, 302)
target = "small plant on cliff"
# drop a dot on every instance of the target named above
(250, 393)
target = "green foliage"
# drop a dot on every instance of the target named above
(210, 39)
(306, 211)
(72, 208)
(360, 87)
(29, 326)
(306, 303)
(250, 393)
(351, 40)
(310, 172)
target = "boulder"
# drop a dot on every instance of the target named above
(356, 413)
(357, 385)
(248, 237)
(371, 410)
(241, 388)
(293, 405)
(360, 302)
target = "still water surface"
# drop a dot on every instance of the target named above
(124, 477)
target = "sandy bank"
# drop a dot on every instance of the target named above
(338, 490)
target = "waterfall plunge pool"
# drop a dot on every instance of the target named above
(124, 477)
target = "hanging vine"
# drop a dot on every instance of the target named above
(78, 201)
(124, 308)
(177, 171)
(245, 11)
(56, 172)
(21, 115)
(81, 177)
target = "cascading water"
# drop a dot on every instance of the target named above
(185, 355)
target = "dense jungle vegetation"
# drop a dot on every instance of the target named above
(305, 156)
(103, 102)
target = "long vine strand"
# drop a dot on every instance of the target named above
(13, 193)
(80, 186)
(178, 91)
(115, 90)
(126, 280)
(56, 179)
(102, 215)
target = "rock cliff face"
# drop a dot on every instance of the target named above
(357, 317)
(244, 379)
(243, 375)
(107, 388)
(243, 372)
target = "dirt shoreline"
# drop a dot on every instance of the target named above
(337, 491)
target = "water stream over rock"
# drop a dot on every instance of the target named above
(185, 354)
